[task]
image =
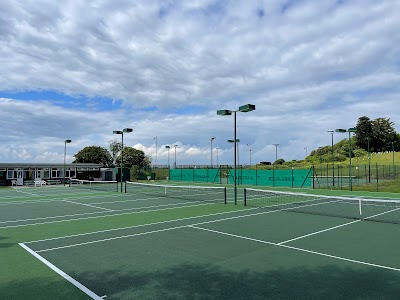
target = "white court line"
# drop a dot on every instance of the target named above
(26, 193)
(61, 273)
(137, 226)
(97, 212)
(103, 216)
(74, 197)
(320, 231)
(356, 221)
(113, 238)
(200, 223)
(84, 204)
(299, 249)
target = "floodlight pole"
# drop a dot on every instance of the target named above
(225, 112)
(276, 151)
(249, 152)
(394, 173)
(333, 160)
(369, 162)
(175, 156)
(121, 132)
(65, 155)
(234, 161)
(212, 139)
(350, 130)
(350, 170)
(168, 147)
(156, 149)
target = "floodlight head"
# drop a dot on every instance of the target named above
(167, 147)
(330, 131)
(232, 141)
(213, 138)
(340, 130)
(127, 130)
(68, 141)
(117, 131)
(224, 112)
(247, 108)
(353, 129)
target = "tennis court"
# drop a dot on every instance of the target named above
(271, 248)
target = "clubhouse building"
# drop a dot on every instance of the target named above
(21, 173)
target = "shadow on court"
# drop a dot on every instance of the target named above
(5, 245)
(194, 281)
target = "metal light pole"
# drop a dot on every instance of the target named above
(121, 132)
(211, 140)
(394, 174)
(175, 156)
(369, 161)
(225, 112)
(350, 130)
(236, 149)
(305, 148)
(333, 160)
(155, 138)
(276, 151)
(65, 155)
(168, 147)
(249, 152)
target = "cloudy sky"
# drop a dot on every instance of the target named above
(79, 69)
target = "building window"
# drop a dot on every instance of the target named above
(46, 173)
(11, 174)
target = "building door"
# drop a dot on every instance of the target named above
(20, 179)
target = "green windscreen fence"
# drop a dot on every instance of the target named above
(287, 178)
(201, 175)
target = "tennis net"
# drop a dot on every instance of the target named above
(379, 210)
(107, 186)
(193, 193)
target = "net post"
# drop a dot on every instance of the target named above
(125, 187)
(244, 197)
(225, 195)
(360, 207)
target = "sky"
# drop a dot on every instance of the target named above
(79, 70)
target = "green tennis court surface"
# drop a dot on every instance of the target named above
(73, 243)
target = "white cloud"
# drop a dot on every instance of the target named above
(309, 66)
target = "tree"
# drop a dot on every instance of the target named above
(114, 147)
(134, 157)
(380, 133)
(93, 154)
(279, 161)
(383, 134)
(364, 131)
